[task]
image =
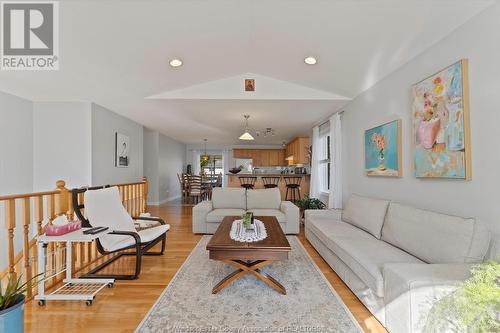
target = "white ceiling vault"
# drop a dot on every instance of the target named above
(116, 53)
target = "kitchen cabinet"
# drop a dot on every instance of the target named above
(265, 158)
(262, 157)
(274, 158)
(297, 151)
(241, 153)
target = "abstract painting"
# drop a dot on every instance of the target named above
(383, 150)
(440, 113)
(122, 149)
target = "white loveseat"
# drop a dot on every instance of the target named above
(227, 201)
(397, 259)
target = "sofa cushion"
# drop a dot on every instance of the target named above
(227, 197)
(366, 257)
(217, 215)
(270, 212)
(435, 238)
(366, 213)
(264, 198)
(324, 229)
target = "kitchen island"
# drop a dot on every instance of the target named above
(233, 181)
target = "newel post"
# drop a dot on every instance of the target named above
(63, 203)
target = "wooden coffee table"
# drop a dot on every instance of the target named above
(248, 258)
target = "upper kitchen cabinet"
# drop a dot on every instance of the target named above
(297, 151)
(262, 157)
(241, 153)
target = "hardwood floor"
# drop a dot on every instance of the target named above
(122, 308)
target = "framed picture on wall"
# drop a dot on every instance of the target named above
(249, 84)
(383, 153)
(122, 150)
(440, 115)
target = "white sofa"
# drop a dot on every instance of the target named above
(227, 201)
(396, 259)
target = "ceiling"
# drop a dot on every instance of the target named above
(116, 53)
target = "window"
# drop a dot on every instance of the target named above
(213, 166)
(324, 164)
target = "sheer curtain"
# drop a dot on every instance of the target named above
(335, 197)
(315, 172)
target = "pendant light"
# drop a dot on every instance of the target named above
(205, 157)
(246, 136)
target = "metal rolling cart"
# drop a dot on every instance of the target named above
(73, 289)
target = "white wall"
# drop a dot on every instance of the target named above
(151, 164)
(16, 144)
(16, 159)
(172, 160)
(163, 159)
(62, 144)
(478, 40)
(105, 124)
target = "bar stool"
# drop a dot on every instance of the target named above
(292, 187)
(270, 182)
(247, 182)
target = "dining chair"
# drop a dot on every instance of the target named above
(183, 186)
(197, 191)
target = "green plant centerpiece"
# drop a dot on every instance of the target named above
(309, 203)
(473, 307)
(11, 303)
(247, 220)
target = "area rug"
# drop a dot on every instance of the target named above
(249, 305)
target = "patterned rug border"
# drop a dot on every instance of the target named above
(302, 248)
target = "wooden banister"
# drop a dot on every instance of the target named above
(38, 208)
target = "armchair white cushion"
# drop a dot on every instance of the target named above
(104, 208)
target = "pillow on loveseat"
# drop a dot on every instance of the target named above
(227, 197)
(264, 199)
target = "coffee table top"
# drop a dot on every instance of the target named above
(275, 240)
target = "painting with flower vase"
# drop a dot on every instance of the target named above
(383, 150)
(440, 113)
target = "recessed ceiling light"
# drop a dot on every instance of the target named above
(176, 62)
(310, 61)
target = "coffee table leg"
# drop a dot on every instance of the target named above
(252, 268)
(228, 280)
